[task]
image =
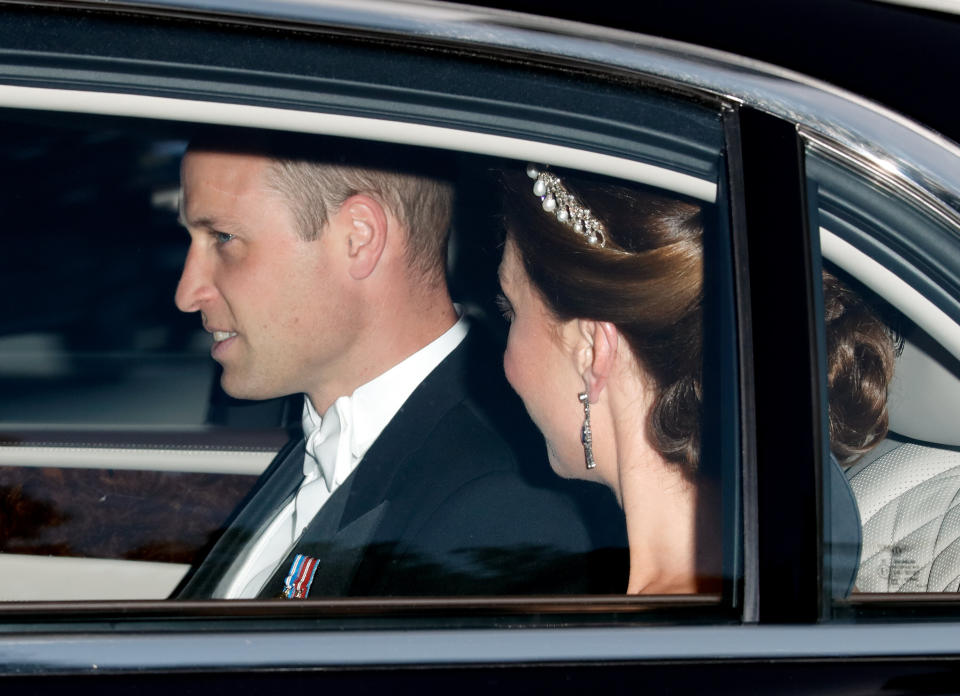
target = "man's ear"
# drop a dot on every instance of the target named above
(365, 223)
(596, 354)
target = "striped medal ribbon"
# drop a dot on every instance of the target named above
(297, 583)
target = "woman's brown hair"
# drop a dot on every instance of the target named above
(653, 293)
(860, 361)
(654, 296)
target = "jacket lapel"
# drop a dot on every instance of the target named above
(350, 521)
(337, 551)
(382, 468)
(353, 517)
(272, 489)
(350, 544)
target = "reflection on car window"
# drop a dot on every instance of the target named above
(107, 465)
(92, 261)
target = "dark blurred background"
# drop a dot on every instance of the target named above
(903, 57)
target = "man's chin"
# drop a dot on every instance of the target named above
(241, 389)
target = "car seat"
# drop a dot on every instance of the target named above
(908, 488)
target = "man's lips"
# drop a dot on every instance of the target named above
(221, 339)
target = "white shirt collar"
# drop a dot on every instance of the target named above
(364, 414)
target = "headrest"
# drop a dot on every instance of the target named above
(924, 398)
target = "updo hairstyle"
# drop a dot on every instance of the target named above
(653, 293)
(654, 296)
(860, 360)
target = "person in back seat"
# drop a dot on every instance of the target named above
(319, 267)
(603, 287)
(860, 360)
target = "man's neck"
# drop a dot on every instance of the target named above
(397, 334)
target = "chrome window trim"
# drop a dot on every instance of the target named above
(883, 172)
(222, 650)
(885, 175)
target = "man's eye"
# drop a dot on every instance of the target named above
(222, 237)
(503, 304)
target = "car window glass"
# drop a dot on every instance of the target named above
(123, 460)
(116, 458)
(894, 381)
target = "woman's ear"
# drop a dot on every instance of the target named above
(597, 355)
(366, 226)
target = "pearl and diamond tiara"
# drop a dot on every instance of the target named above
(556, 199)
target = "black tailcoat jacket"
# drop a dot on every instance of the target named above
(440, 504)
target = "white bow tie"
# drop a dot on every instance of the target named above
(320, 462)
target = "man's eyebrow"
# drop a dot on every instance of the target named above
(205, 222)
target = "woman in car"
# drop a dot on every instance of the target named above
(603, 288)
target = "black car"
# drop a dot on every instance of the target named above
(121, 459)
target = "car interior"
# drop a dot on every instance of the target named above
(906, 488)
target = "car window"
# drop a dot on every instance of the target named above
(117, 384)
(124, 461)
(892, 371)
(118, 461)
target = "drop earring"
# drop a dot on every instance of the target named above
(586, 434)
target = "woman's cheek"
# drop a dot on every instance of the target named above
(510, 366)
(524, 384)
(556, 462)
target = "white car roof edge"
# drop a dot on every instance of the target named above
(399, 132)
(893, 289)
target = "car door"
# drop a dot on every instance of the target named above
(121, 91)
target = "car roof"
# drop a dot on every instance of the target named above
(916, 156)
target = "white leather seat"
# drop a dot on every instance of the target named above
(909, 501)
(908, 488)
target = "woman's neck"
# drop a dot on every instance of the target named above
(672, 523)
(673, 548)
(660, 506)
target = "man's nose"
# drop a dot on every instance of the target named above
(195, 286)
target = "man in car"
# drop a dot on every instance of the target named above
(325, 275)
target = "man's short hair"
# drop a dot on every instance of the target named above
(318, 174)
(421, 204)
